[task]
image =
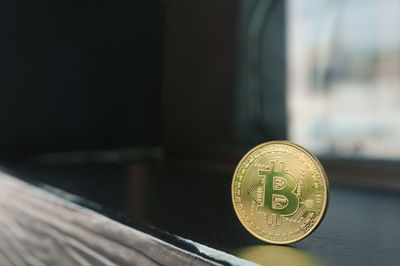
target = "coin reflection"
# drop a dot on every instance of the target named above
(278, 255)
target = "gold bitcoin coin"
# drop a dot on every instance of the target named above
(280, 192)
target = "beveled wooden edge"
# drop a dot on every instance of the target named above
(38, 227)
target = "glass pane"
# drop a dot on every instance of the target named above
(343, 92)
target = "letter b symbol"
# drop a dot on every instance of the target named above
(279, 187)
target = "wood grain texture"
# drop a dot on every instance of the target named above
(39, 228)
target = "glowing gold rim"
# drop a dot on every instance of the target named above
(322, 172)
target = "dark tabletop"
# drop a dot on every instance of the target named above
(193, 200)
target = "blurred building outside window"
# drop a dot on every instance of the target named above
(343, 77)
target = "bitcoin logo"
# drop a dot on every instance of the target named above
(279, 187)
(279, 192)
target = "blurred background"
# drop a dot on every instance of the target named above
(344, 77)
(201, 82)
(150, 78)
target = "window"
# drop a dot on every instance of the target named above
(343, 77)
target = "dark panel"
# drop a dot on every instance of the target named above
(80, 74)
(199, 74)
(261, 106)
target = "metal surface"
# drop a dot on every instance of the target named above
(38, 228)
(361, 226)
(279, 192)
